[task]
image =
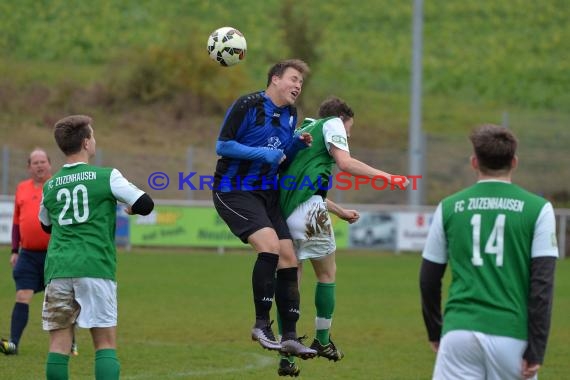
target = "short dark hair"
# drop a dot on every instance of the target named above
(334, 106)
(280, 67)
(70, 132)
(494, 146)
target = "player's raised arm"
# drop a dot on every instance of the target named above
(351, 165)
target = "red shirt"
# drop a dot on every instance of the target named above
(26, 210)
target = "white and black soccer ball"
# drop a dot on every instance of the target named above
(227, 46)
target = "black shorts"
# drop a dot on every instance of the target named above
(29, 270)
(246, 212)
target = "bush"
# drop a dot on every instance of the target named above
(162, 73)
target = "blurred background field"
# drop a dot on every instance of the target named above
(188, 316)
(141, 69)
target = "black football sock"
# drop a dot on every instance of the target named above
(287, 299)
(263, 284)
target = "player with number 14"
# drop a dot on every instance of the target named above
(500, 242)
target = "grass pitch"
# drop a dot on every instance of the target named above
(188, 316)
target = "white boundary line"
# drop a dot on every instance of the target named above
(252, 361)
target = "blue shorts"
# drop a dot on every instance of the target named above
(29, 270)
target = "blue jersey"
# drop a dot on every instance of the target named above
(253, 125)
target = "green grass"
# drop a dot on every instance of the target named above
(188, 315)
(497, 54)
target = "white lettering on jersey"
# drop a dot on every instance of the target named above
(492, 203)
(82, 176)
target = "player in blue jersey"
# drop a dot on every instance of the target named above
(256, 137)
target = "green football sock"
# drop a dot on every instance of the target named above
(279, 325)
(325, 303)
(107, 365)
(290, 359)
(57, 366)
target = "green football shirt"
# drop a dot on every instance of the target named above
(311, 169)
(79, 202)
(488, 234)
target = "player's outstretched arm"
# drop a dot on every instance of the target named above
(347, 163)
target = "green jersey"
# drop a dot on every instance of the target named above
(312, 168)
(80, 203)
(489, 233)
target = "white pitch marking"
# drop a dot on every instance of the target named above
(258, 361)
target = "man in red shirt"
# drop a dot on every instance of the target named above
(29, 246)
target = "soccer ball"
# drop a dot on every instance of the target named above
(227, 46)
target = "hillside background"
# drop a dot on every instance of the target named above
(140, 68)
